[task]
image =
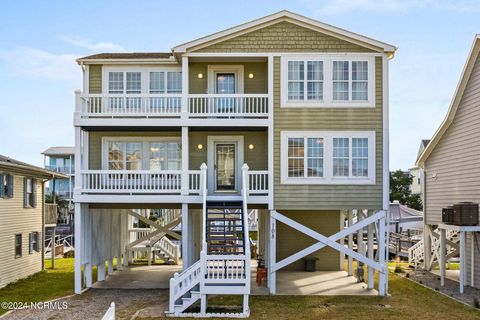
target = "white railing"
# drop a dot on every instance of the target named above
(194, 181)
(180, 284)
(258, 182)
(110, 314)
(113, 181)
(169, 248)
(231, 269)
(228, 105)
(138, 105)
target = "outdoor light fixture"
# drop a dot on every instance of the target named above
(251, 75)
(200, 146)
(200, 76)
(251, 146)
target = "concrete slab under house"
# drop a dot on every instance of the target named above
(240, 158)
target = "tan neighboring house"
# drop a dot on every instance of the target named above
(22, 219)
(452, 174)
(284, 115)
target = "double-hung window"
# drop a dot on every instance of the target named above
(133, 86)
(128, 83)
(305, 80)
(29, 193)
(18, 245)
(327, 157)
(327, 81)
(124, 155)
(165, 82)
(33, 242)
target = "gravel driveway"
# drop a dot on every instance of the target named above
(129, 303)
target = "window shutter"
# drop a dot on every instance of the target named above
(34, 193)
(2, 187)
(30, 243)
(25, 194)
(10, 186)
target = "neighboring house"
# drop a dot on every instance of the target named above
(417, 173)
(283, 114)
(452, 174)
(61, 159)
(22, 219)
(405, 220)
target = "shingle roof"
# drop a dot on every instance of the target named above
(129, 55)
(59, 151)
(8, 164)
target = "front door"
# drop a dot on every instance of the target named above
(225, 166)
(225, 83)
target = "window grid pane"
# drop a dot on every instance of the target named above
(340, 80)
(295, 80)
(340, 157)
(314, 80)
(360, 80)
(174, 82)
(133, 156)
(115, 82)
(315, 157)
(157, 82)
(360, 157)
(134, 82)
(296, 157)
(116, 155)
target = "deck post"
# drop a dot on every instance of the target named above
(427, 247)
(272, 253)
(342, 240)
(186, 259)
(88, 249)
(245, 304)
(185, 176)
(359, 241)
(382, 275)
(370, 253)
(101, 270)
(462, 261)
(78, 247)
(472, 259)
(442, 256)
(350, 243)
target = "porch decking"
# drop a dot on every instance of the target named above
(288, 282)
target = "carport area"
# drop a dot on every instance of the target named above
(140, 277)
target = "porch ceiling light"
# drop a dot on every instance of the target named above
(251, 146)
(200, 76)
(200, 146)
(251, 75)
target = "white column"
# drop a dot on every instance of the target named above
(272, 252)
(462, 261)
(442, 256)
(350, 243)
(342, 240)
(270, 132)
(185, 162)
(382, 275)
(78, 158)
(359, 238)
(427, 247)
(185, 89)
(186, 259)
(371, 271)
(88, 248)
(78, 248)
(472, 259)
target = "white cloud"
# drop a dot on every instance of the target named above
(93, 46)
(333, 7)
(38, 63)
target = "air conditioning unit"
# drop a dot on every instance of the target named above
(465, 214)
(447, 215)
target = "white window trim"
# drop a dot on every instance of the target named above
(328, 101)
(145, 76)
(328, 177)
(145, 152)
(213, 69)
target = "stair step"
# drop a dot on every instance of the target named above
(224, 245)
(224, 219)
(225, 232)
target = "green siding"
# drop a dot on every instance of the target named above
(290, 241)
(326, 197)
(284, 37)
(259, 83)
(95, 78)
(256, 159)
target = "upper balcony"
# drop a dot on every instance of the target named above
(200, 92)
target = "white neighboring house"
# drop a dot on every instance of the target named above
(417, 173)
(23, 217)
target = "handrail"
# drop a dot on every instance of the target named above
(245, 206)
(203, 169)
(182, 283)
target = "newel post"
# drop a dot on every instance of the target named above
(78, 101)
(245, 181)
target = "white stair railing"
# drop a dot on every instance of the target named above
(182, 283)
(416, 253)
(170, 249)
(110, 314)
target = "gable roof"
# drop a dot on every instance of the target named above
(423, 144)
(457, 97)
(14, 166)
(59, 151)
(291, 17)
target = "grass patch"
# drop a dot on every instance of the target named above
(45, 285)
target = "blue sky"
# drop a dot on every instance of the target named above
(40, 40)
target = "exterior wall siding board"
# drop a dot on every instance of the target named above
(14, 219)
(454, 161)
(259, 83)
(290, 241)
(95, 78)
(328, 197)
(284, 37)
